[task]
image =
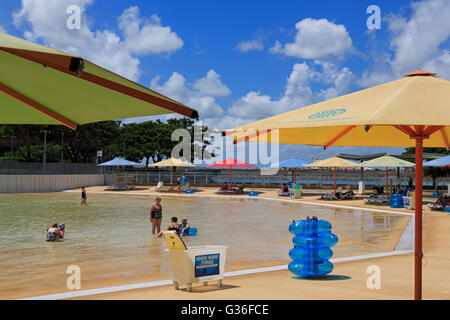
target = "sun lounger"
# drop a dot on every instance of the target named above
(120, 188)
(378, 200)
(230, 191)
(328, 196)
(347, 196)
(436, 206)
(158, 187)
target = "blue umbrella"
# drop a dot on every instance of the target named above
(291, 163)
(438, 162)
(117, 161)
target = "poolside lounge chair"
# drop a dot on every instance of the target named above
(440, 204)
(158, 187)
(347, 196)
(328, 196)
(378, 200)
(436, 206)
(120, 188)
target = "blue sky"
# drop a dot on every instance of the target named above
(239, 61)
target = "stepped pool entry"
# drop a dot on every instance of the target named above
(111, 240)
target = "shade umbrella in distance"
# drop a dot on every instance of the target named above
(388, 162)
(333, 162)
(409, 112)
(172, 162)
(118, 162)
(230, 163)
(292, 163)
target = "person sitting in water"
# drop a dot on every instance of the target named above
(53, 233)
(173, 225)
(184, 227)
(225, 186)
(62, 229)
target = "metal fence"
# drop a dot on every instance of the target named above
(312, 179)
(47, 183)
(37, 168)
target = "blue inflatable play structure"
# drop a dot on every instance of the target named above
(192, 231)
(311, 253)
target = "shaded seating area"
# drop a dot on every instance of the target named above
(338, 195)
(440, 203)
(284, 191)
(120, 188)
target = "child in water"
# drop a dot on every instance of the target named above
(184, 227)
(62, 229)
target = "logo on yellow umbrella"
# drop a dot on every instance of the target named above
(327, 114)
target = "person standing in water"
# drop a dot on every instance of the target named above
(156, 215)
(83, 196)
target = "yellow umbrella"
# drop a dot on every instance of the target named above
(333, 162)
(409, 112)
(172, 162)
(388, 162)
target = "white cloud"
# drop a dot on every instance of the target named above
(2, 29)
(103, 47)
(417, 41)
(250, 45)
(298, 92)
(211, 85)
(147, 36)
(201, 97)
(420, 42)
(316, 39)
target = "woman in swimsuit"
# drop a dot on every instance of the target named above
(156, 215)
(53, 233)
(83, 196)
(173, 226)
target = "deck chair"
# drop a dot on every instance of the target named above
(158, 187)
(328, 196)
(347, 196)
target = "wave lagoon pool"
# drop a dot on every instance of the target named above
(111, 240)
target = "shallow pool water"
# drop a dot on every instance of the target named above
(111, 240)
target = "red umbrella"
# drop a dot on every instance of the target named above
(231, 163)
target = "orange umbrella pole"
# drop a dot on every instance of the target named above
(418, 222)
(295, 175)
(387, 182)
(230, 177)
(335, 180)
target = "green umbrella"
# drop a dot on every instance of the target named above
(388, 162)
(40, 85)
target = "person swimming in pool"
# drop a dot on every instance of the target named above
(184, 227)
(62, 230)
(173, 226)
(83, 196)
(53, 233)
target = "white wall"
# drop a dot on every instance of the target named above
(48, 183)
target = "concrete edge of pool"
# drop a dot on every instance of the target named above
(82, 293)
